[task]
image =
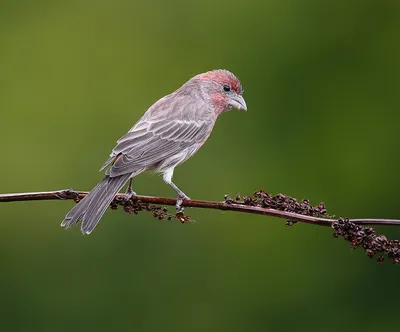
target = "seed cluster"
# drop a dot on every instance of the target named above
(134, 206)
(281, 202)
(357, 235)
(366, 237)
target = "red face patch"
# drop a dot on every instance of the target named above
(223, 77)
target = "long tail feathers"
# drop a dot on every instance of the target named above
(94, 205)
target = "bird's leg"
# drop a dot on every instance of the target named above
(180, 192)
(129, 192)
(181, 195)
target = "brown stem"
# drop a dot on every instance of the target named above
(238, 207)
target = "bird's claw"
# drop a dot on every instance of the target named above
(129, 194)
(179, 201)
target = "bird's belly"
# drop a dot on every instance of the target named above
(175, 160)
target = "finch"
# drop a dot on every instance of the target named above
(170, 132)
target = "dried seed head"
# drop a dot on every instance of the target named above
(365, 237)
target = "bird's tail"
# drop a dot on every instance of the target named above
(91, 208)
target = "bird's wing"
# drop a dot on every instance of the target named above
(151, 142)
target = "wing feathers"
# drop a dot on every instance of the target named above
(173, 125)
(161, 141)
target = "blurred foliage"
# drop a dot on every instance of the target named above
(321, 83)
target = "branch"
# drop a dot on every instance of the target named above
(227, 205)
(279, 206)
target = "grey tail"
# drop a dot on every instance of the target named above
(94, 205)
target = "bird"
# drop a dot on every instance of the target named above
(172, 130)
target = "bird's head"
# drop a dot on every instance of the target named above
(223, 89)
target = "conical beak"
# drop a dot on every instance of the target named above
(238, 103)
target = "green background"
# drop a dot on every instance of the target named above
(321, 81)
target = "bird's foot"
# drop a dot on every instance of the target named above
(129, 194)
(179, 201)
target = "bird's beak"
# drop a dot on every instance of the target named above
(238, 103)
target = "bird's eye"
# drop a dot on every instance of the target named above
(227, 88)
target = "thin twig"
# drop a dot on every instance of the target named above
(68, 194)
